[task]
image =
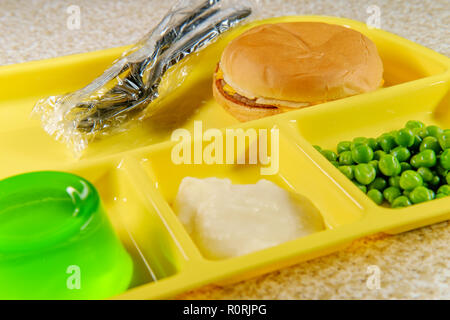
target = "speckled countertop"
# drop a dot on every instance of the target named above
(413, 265)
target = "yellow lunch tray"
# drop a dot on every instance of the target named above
(138, 181)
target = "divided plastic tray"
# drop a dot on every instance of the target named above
(138, 181)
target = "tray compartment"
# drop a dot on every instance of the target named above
(296, 174)
(403, 60)
(380, 112)
(426, 100)
(153, 247)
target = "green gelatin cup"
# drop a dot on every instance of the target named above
(56, 241)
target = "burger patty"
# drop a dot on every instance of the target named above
(238, 99)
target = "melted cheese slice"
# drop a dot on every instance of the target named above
(263, 100)
(259, 100)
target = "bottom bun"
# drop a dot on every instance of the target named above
(241, 111)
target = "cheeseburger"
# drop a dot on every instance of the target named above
(275, 68)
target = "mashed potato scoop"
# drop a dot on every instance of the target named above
(227, 220)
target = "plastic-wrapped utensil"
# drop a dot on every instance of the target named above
(131, 84)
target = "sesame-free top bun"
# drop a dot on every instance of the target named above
(297, 64)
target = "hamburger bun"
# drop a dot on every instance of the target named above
(275, 68)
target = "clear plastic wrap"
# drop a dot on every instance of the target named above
(132, 84)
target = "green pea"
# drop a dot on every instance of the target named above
(343, 146)
(401, 153)
(362, 154)
(394, 181)
(347, 171)
(426, 158)
(389, 165)
(440, 195)
(361, 187)
(445, 159)
(378, 154)
(401, 202)
(406, 193)
(447, 178)
(421, 194)
(335, 163)
(330, 155)
(386, 142)
(374, 163)
(435, 182)
(391, 193)
(376, 196)
(364, 173)
(358, 141)
(405, 137)
(345, 158)
(372, 143)
(434, 131)
(318, 148)
(405, 166)
(444, 140)
(430, 143)
(445, 189)
(379, 183)
(412, 124)
(441, 171)
(426, 174)
(421, 132)
(410, 180)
